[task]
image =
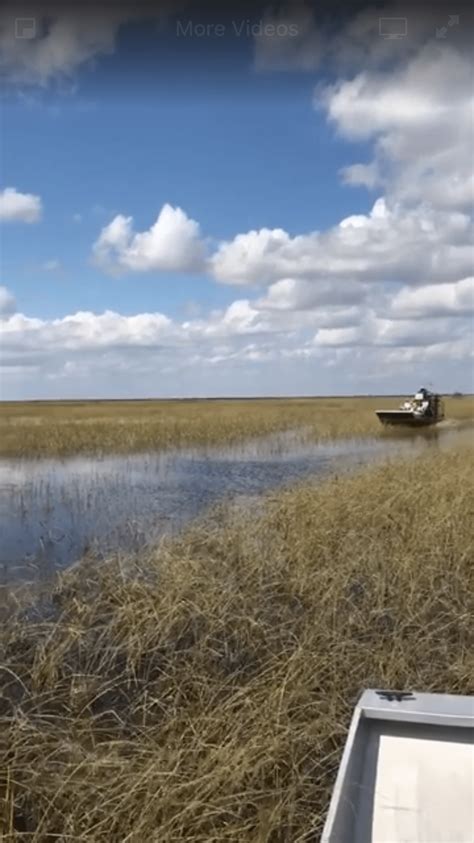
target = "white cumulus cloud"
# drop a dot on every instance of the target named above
(419, 118)
(300, 294)
(7, 302)
(392, 243)
(373, 330)
(172, 243)
(19, 207)
(435, 300)
(241, 349)
(67, 36)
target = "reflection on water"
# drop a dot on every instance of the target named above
(54, 511)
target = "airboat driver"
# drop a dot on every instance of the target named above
(421, 402)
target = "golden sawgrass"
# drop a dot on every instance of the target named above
(49, 428)
(203, 693)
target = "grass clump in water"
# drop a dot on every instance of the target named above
(204, 693)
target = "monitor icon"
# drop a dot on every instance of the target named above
(25, 28)
(390, 28)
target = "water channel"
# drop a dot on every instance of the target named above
(53, 511)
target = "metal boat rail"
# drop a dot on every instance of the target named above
(407, 771)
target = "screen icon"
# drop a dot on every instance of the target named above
(25, 28)
(391, 28)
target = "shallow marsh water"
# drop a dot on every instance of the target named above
(53, 511)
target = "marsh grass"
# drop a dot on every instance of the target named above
(204, 692)
(49, 428)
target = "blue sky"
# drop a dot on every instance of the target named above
(263, 158)
(323, 254)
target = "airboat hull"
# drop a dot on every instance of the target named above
(407, 771)
(405, 417)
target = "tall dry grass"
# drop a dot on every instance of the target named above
(48, 428)
(204, 693)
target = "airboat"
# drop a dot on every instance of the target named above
(423, 409)
(407, 771)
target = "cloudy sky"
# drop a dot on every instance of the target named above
(275, 201)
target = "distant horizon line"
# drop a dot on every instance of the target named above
(224, 397)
